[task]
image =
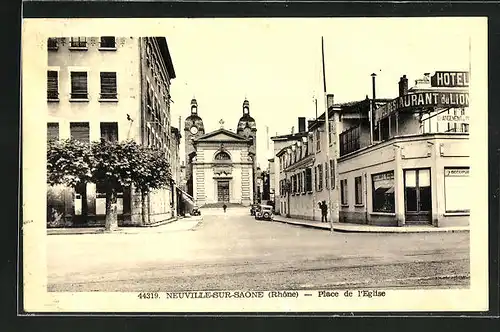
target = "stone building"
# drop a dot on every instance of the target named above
(220, 164)
(113, 88)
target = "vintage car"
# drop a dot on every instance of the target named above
(264, 212)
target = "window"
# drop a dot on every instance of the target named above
(358, 189)
(326, 175)
(109, 131)
(320, 177)
(222, 156)
(456, 183)
(343, 192)
(383, 192)
(108, 85)
(318, 140)
(316, 178)
(52, 131)
(79, 131)
(52, 85)
(330, 131)
(309, 179)
(350, 140)
(332, 174)
(52, 44)
(418, 191)
(78, 42)
(108, 42)
(79, 85)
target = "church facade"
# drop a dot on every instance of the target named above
(221, 165)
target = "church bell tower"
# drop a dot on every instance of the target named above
(193, 128)
(248, 128)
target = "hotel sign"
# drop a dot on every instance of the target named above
(418, 100)
(450, 79)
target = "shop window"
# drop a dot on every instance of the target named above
(358, 189)
(343, 192)
(350, 140)
(456, 185)
(383, 192)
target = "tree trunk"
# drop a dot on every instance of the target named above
(111, 210)
(144, 205)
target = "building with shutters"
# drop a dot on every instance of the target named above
(113, 88)
(393, 162)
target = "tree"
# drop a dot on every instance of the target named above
(69, 162)
(110, 165)
(150, 172)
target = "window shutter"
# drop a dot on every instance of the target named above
(108, 85)
(52, 131)
(52, 85)
(80, 131)
(79, 85)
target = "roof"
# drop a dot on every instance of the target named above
(287, 137)
(222, 135)
(162, 43)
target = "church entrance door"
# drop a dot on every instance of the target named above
(223, 191)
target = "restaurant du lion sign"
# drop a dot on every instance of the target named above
(427, 99)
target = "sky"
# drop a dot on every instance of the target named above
(276, 65)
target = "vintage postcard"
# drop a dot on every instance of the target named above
(186, 165)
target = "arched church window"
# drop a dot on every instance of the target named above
(222, 156)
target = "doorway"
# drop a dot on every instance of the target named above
(418, 196)
(223, 191)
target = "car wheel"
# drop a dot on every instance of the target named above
(266, 215)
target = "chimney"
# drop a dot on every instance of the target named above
(373, 86)
(403, 86)
(329, 100)
(302, 124)
(293, 128)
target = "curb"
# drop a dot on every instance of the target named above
(345, 229)
(121, 230)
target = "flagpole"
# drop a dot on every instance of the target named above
(327, 127)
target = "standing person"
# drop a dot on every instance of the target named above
(324, 211)
(224, 207)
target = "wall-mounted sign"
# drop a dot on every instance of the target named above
(450, 79)
(456, 172)
(423, 100)
(453, 118)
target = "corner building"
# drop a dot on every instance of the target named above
(113, 88)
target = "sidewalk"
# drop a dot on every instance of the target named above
(169, 225)
(359, 228)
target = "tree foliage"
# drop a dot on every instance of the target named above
(117, 164)
(69, 162)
